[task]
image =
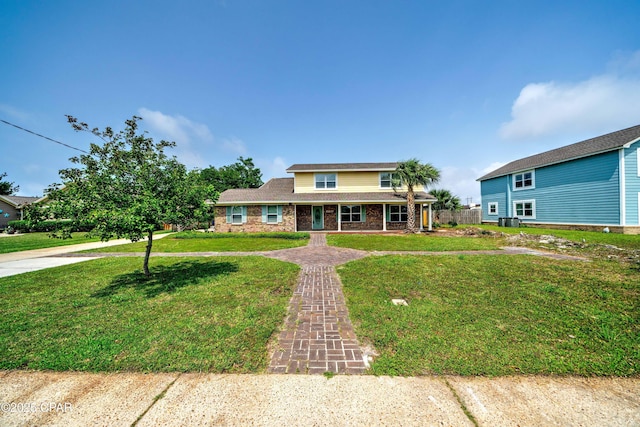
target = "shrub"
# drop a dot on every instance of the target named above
(24, 226)
(19, 225)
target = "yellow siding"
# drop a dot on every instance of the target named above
(348, 182)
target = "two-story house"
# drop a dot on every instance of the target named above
(323, 197)
(591, 184)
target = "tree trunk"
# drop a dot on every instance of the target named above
(411, 211)
(147, 253)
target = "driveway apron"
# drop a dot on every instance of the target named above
(318, 336)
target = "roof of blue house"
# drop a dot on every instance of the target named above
(600, 144)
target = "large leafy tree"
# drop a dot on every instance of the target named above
(410, 174)
(7, 188)
(241, 174)
(128, 186)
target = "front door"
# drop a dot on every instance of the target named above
(317, 215)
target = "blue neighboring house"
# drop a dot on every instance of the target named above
(590, 184)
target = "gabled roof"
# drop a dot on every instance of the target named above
(334, 167)
(18, 201)
(280, 190)
(601, 144)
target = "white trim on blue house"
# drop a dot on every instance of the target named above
(514, 178)
(622, 189)
(495, 206)
(523, 202)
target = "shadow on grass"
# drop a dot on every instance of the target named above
(167, 278)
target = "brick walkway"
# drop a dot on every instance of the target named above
(318, 336)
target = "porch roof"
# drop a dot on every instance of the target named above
(280, 190)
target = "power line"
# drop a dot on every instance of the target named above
(42, 136)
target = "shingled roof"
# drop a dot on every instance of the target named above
(600, 144)
(280, 190)
(329, 167)
(18, 201)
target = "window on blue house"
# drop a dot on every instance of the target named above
(525, 208)
(493, 208)
(523, 180)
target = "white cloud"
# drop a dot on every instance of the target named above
(192, 139)
(272, 168)
(604, 102)
(493, 166)
(461, 182)
(234, 145)
(177, 128)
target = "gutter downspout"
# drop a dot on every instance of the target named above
(622, 188)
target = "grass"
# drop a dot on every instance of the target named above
(627, 241)
(412, 242)
(496, 315)
(28, 241)
(217, 242)
(194, 314)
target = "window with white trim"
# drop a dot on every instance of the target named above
(325, 181)
(525, 208)
(398, 213)
(236, 215)
(492, 208)
(387, 179)
(351, 213)
(272, 214)
(524, 180)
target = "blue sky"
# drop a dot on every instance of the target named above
(464, 85)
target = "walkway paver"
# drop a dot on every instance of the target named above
(318, 336)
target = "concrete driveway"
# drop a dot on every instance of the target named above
(14, 263)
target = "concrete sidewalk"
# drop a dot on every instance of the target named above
(13, 263)
(79, 399)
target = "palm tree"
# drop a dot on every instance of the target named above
(411, 173)
(446, 202)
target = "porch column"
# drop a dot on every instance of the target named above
(384, 217)
(421, 219)
(430, 227)
(339, 217)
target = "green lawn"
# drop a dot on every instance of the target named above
(496, 315)
(28, 241)
(194, 314)
(627, 241)
(413, 242)
(216, 242)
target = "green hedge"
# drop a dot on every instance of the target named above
(271, 235)
(24, 226)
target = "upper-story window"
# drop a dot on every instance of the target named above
(325, 180)
(524, 180)
(387, 178)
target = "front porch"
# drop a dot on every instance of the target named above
(361, 217)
